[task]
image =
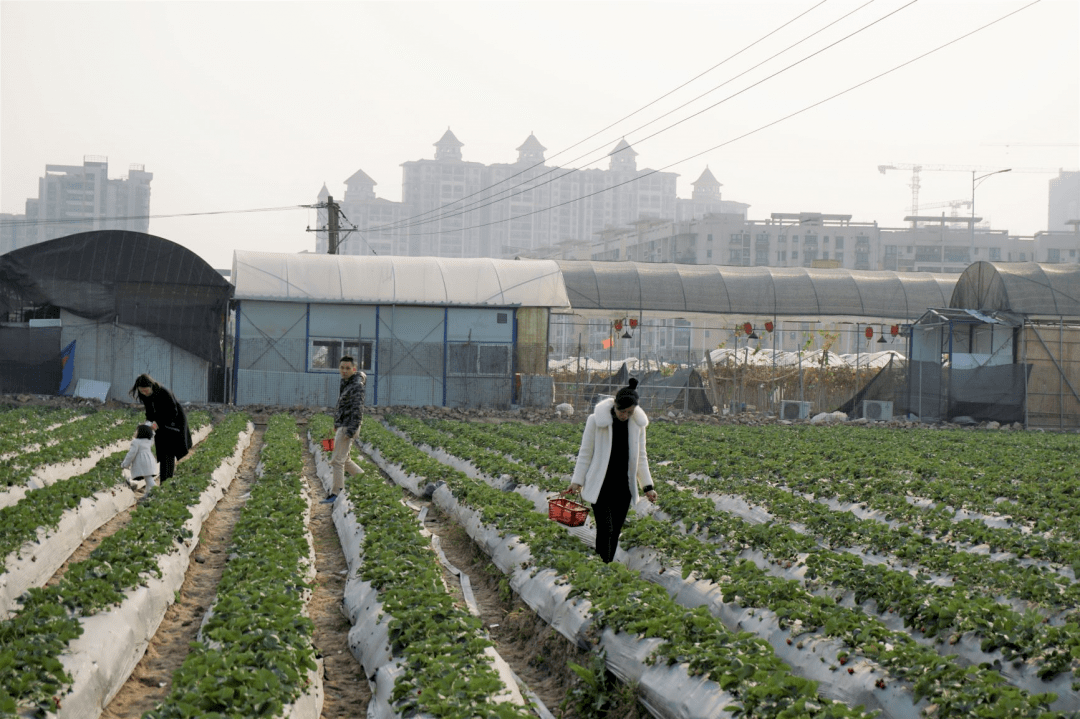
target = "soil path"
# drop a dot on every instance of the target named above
(96, 537)
(345, 686)
(152, 678)
(539, 655)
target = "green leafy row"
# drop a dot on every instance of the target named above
(541, 451)
(256, 649)
(76, 440)
(890, 495)
(490, 462)
(31, 641)
(1032, 478)
(683, 462)
(957, 690)
(447, 675)
(680, 455)
(936, 611)
(18, 427)
(742, 664)
(43, 508)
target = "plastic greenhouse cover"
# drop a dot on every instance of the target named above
(753, 291)
(398, 280)
(1028, 288)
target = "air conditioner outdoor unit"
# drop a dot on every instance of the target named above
(876, 410)
(794, 410)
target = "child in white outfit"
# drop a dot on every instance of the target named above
(140, 459)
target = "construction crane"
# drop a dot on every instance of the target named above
(916, 169)
(953, 204)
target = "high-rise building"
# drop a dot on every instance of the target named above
(1064, 202)
(75, 199)
(455, 208)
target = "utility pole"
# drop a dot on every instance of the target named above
(332, 225)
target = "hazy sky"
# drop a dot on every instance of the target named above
(246, 105)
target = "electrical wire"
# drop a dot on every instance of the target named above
(763, 127)
(669, 127)
(83, 220)
(542, 163)
(407, 222)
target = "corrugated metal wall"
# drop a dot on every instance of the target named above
(288, 389)
(119, 353)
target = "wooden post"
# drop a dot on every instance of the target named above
(713, 379)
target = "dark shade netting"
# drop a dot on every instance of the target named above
(128, 277)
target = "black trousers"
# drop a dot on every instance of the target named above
(168, 467)
(610, 511)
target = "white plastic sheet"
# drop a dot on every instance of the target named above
(113, 642)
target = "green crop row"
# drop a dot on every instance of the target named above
(680, 455)
(255, 649)
(679, 459)
(31, 674)
(1032, 478)
(492, 462)
(76, 440)
(447, 673)
(953, 688)
(936, 611)
(742, 664)
(18, 427)
(43, 508)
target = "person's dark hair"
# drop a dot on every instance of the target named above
(143, 380)
(347, 358)
(144, 431)
(627, 396)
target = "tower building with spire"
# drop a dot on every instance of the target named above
(452, 207)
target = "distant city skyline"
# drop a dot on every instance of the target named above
(252, 105)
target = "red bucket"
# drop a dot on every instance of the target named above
(328, 445)
(567, 511)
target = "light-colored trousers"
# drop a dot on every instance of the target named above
(341, 461)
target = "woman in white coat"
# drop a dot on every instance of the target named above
(612, 465)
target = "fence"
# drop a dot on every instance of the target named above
(732, 386)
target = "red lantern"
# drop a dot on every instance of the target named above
(618, 325)
(869, 333)
(894, 330)
(768, 326)
(748, 328)
(633, 322)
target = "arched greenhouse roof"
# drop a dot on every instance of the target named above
(398, 280)
(673, 289)
(129, 277)
(1027, 288)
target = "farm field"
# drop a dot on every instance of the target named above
(916, 573)
(786, 571)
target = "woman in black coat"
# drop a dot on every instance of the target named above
(172, 438)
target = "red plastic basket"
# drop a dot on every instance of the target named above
(567, 511)
(328, 445)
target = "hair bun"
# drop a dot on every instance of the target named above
(633, 383)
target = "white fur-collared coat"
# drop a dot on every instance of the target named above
(592, 460)
(140, 459)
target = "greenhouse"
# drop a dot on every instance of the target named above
(425, 330)
(103, 307)
(1007, 348)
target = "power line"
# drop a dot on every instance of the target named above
(771, 124)
(84, 220)
(623, 119)
(407, 222)
(658, 132)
